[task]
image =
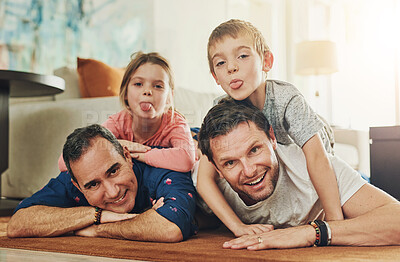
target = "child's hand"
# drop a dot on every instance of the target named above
(253, 229)
(158, 203)
(134, 147)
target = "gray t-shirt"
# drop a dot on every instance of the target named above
(291, 117)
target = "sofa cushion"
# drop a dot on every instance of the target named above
(71, 79)
(96, 79)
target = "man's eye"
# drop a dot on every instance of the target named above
(220, 63)
(254, 149)
(114, 171)
(92, 185)
(228, 163)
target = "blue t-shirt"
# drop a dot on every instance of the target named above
(176, 188)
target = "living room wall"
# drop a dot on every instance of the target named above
(42, 35)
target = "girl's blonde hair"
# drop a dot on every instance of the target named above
(137, 60)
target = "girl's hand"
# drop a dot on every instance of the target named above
(134, 147)
(244, 229)
(158, 203)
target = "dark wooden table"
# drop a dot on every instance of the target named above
(20, 84)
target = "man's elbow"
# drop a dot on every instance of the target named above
(173, 235)
(15, 230)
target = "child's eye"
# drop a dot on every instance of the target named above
(243, 56)
(220, 63)
(158, 86)
(138, 84)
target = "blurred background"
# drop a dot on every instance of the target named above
(356, 87)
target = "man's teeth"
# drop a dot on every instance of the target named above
(119, 200)
(256, 181)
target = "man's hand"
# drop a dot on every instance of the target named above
(109, 216)
(252, 229)
(106, 217)
(302, 236)
(89, 231)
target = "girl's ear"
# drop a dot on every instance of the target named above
(170, 97)
(268, 61)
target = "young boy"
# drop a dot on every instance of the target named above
(239, 60)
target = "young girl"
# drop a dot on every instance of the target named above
(239, 60)
(149, 118)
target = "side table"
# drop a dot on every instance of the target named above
(19, 84)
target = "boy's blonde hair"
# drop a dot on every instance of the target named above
(137, 60)
(234, 28)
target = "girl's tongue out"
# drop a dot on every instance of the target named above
(145, 106)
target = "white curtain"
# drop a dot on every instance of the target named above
(367, 32)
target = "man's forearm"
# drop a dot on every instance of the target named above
(149, 226)
(44, 221)
(375, 228)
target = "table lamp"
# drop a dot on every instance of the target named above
(317, 58)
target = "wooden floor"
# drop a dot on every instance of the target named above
(20, 255)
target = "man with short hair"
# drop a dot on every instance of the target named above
(107, 194)
(268, 183)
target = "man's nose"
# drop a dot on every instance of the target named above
(112, 189)
(249, 169)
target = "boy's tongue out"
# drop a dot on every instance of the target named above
(236, 84)
(145, 106)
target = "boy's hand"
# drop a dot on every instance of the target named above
(252, 229)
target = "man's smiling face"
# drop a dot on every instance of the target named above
(245, 157)
(105, 177)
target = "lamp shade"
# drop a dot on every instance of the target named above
(316, 58)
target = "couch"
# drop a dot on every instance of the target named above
(38, 130)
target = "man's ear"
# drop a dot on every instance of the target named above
(216, 169)
(76, 185)
(268, 61)
(219, 172)
(127, 154)
(272, 137)
(216, 79)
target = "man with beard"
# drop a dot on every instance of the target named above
(267, 183)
